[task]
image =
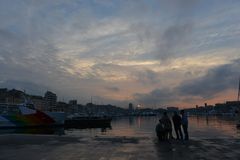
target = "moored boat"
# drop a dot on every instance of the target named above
(88, 122)
(25, 115)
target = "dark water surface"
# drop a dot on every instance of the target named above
(128, 139)
(199, 127)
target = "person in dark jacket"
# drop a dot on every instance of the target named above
(177, 121)
(167, 125)
(160, 131)
(185, 124)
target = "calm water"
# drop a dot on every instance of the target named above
(199, 127)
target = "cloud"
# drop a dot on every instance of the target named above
(114, 49)
(156, 97)
(146, 76)
(29, 87)
(112, 89)
(170, 43)
(216, 80)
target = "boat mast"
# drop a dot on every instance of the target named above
(238, 91)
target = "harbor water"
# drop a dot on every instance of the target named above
(199, 127)
(128, 138)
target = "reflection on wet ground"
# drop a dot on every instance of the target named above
(200, 149)
(128, 139)
(34, 130)
(114, 148)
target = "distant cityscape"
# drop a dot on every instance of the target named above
(49, 102)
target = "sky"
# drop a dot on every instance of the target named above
(152, 53)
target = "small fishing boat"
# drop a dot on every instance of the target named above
(88, 122)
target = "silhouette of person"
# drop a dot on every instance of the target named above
(185, 124)
(177, 121)
(167, 126)
(160, 131)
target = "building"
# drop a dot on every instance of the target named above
(15, 96)
(38, 102)
(130, 107)
(3, 95)
(62, 106)
(50, 100)
(73, 107)
(172, 109)
(72, 102)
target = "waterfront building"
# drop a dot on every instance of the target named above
(50, 99)
(73, 106)
(130, 109)
(38, 102)
(172, 109)
(62, 106)
(3, 95)
(72, 102)
(15, 96)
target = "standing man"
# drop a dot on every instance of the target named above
(177, 121)
(185, 124)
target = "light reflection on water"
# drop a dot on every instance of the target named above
(213, 127)
(199, 127)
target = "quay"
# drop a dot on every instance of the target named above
(102, 147)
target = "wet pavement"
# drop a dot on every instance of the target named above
(106, 147)
(131, 138)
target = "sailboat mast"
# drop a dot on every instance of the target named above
(238, 90)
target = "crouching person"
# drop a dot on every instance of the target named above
(160, 131)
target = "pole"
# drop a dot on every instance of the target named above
(238, 90)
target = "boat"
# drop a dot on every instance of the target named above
(82, 122)
(26, 115)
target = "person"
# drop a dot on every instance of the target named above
(185, 124)
(160, 131)
(167, 125)
(177, 125)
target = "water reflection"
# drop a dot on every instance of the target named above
(131, 122)
(199, 127)
(37, 130)
(207, 120)
(213, 126)
(51, 130)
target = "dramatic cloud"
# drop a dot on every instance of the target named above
(156, 97)
(216, 80)
(172, 41)
(120, 51)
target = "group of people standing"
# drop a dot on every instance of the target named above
(164, 127)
